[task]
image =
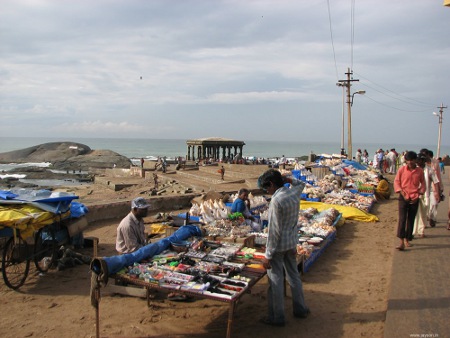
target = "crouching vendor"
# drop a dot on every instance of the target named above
(242, 204)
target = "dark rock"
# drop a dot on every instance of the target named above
(96, 159)
(46, 152)
(67, 156)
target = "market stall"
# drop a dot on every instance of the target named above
(211, 270)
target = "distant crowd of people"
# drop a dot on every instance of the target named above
(419, 185)
(418, 182)
(389, 161)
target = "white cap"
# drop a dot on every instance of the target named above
(139, 203)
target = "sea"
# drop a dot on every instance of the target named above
(136, 148)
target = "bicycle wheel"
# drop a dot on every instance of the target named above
(45, 247)
(15, 263)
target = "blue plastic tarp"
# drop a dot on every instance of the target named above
(54, 202)
(355, 165)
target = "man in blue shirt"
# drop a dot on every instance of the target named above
(281, 247)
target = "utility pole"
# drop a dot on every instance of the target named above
(340, 84)
(348, 83)
(441, 111)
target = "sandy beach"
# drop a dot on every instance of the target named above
(346, 289)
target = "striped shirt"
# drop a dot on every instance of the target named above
(283, 219)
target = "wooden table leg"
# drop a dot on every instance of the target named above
(94, 241)
(230, 318)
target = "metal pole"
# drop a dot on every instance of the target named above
(343, 123)
(349, 118)
(440, 116)
(440, 133)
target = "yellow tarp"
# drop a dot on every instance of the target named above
(26, 218)
(347, 212)
(158, 228)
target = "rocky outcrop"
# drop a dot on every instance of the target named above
(96, 159)
(67, 156)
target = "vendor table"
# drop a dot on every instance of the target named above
(255, 276)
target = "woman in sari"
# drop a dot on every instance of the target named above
(383, 190)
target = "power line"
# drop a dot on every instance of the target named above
(352, 34)
(332, 41)
(408, 98)
(405, 110)
(391, 96)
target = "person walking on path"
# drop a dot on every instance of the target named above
(441, 165)
(281, 246)
(448, 215)
(409, 183)
(425, 205)
(155, 180)
(391, 158)
(365, 157)
(358, 156)
(222, 173)
(434, 198)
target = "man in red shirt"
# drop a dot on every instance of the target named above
(409, 183)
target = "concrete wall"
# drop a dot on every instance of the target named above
(117, 172)
(117, 210)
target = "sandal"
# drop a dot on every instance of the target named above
(407, 244)
(401, 247)
(179, 298)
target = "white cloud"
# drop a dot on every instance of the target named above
(76, 67)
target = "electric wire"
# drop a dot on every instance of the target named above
(387, 89)
(332, 41)
(352, 34)
(391, 96)
(405, 110)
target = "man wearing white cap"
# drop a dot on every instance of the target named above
(130, 232)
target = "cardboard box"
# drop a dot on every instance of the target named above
(249, 241)
(77, 225)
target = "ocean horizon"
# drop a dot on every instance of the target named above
(141, 147)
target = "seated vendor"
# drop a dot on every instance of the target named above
(131, 234)
(241, 204)
(102, 267)
(131, 230)
(383, 190)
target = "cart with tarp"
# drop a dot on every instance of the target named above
(33, 223)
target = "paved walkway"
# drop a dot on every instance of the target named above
(419, 294)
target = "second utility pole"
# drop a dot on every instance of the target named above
(348, 84)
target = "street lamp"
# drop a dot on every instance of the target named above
(349, 119)
(439, 115)
(361, 92)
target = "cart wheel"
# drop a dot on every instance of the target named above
(15, 263)
(45, 249)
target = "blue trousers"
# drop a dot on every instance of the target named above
(284, 262)
(116, 263)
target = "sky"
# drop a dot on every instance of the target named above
(246, 70)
